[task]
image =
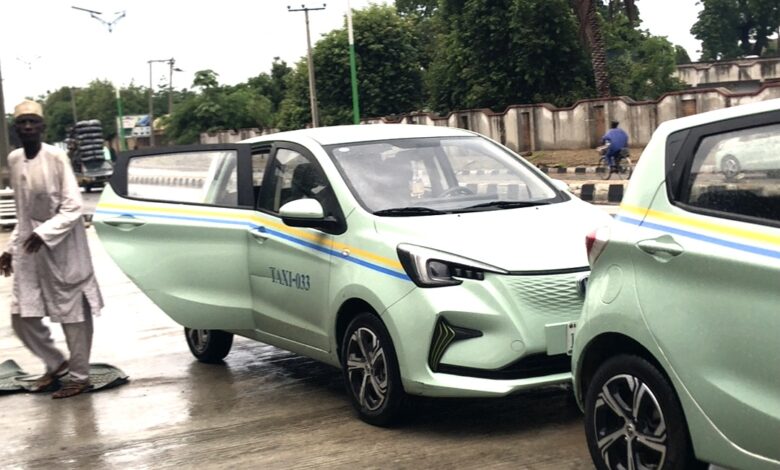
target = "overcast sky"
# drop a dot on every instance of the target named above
(45, 44)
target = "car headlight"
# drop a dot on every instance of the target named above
(432, 268)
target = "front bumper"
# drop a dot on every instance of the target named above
(486, 338)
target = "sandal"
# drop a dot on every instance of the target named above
(70, 389)
(49, 380)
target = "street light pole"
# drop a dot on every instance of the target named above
(353, 68)
(315, 114)
(4, 144)
(151, 107)
(151, 98)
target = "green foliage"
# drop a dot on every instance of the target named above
(497, 53)
(388, 69)
(681, 55)
(218, 108)
(640, 65)
(294, 111)
(730, 29)
(419, 8)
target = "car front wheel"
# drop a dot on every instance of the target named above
(633, 418)
(208, 346)
(370, 371)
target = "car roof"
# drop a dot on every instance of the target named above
(363, 133)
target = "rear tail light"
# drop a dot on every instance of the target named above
(595, 243)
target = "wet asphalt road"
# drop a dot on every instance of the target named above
(264, 408)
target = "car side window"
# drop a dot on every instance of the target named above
(293, 176)
(260, 159)
(737, 173)
(205, 177)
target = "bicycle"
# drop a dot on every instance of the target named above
(623, 166)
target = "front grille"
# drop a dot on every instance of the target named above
(552, 295)
(536, 365)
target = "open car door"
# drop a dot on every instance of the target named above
(174, 219)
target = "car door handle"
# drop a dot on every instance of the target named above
(259, 234)
(125, 222)
(664, 245)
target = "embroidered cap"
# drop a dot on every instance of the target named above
(28, 107)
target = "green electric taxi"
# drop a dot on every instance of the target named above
(421, 260)
(676, 356)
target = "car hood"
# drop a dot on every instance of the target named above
(523, 239)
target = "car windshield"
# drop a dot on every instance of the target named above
(429, 176)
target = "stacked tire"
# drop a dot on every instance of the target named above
(89, 138)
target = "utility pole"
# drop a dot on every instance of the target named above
(121, 124)
(353, 68)
(171, 61)
(73, 104)
(4, 144)
(151, 107)
(315, 114)
(170, 86)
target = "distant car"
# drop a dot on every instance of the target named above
(738, 153)
(676, 354)
(421, 260)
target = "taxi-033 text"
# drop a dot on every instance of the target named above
(290, 279)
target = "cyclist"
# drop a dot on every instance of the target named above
(618, 140)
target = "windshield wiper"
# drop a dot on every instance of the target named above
(503, 205)
(411, 211)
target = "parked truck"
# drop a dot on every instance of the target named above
(88, 155)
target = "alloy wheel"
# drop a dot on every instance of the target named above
(629, 425)
(199, 339)
(367, 369)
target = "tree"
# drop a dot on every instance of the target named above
(388, 69)
(273, 85)
(730, 29)
(590, 34)
(218, 108)
(497, 53)
(421, 8)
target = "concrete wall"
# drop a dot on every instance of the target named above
(525, 128)
(546, 127)
(231, 136)
(742, 73)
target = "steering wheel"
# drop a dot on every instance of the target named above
(455, 190)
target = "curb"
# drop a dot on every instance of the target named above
(570, 170)
(599, 192)
(555, 170)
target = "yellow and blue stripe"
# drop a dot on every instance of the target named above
(709, 232)
(254, 221)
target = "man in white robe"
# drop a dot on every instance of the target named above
(49, 256)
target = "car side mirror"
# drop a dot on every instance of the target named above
(307, 213)
(561, 185)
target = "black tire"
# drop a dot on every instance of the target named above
(382, 399)
(730, 167)
(209, 346)
(88, 128)
(89, 135)
(89, 123)
(603, 169)
(610, 423)
(625, 168)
